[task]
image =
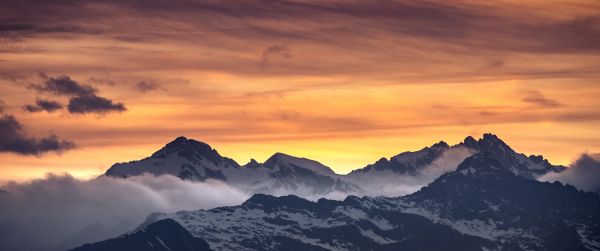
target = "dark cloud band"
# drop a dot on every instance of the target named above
(64, 86)
(13, 139)
(82, 98)
(43, 105)
(94, 104)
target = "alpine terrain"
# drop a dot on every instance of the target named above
(482, 205)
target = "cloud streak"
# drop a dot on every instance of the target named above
(273, 51)
(94, 104)
(145, 86)
(63, 86)
(399, 35)
(537, 98)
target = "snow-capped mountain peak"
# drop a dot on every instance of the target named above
(527, 166)
(182, 157)
(282, 160)
(192, 150)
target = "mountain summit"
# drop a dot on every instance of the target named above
(193, 149)
(282, 160)
(182, 157)
(415, 163)
(531, 167)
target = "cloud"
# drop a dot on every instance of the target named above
(13, 139)
(94, 104)
(51, 209)
(19, 30)
(11, 27)
(408, 41)
(537, 98)
(391, 184)
(43, 105)
(583, 174)
(145, 86)
(82, 98)
(2, 105)
(63, 86)
(288, 115)
(274, 51)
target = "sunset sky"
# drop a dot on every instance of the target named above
(341, 82)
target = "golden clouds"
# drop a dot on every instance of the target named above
(342, 82)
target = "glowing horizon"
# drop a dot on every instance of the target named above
(341, 82)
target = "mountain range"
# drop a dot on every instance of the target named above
(476, 195)
(283, 174)
(482, 205)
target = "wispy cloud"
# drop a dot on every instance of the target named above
(147, 86)
(537, 98)
(273, 51)
(445, 39)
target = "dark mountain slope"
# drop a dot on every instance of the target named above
(163, 235)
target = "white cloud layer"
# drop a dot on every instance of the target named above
(50, 210)
(583, 174)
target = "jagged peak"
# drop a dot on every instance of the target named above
(441, 144)
(490, 137)
(470, 142)
(252, 164)
(488, 142)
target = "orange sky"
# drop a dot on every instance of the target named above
(341, 82)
